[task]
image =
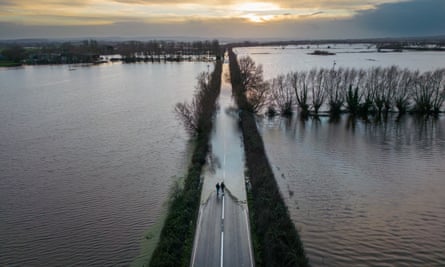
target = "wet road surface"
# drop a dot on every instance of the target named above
(222, 236)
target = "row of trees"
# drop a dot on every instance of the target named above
(374, 91)
(156, 48)
(77, 51)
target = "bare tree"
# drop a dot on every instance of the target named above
(354, 96)
(390, 80)
(366, 105)
(352, 99)
(318, 88)
(187, 114)
(191, 114)
(334, 87)
(404, 87)
(253, 84)
(297, 81)
(376, 87)
(257, 97)
(438, 88)
(429, 92)
(282, 95)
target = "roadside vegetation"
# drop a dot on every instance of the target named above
(276, 241)
(176, 241)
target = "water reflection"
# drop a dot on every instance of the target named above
(87, 158)
(424, 132)
(363, 192)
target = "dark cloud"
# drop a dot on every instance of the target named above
(415, 17)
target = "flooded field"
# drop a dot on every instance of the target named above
(281, 60)
(360, 193)
(87, 158)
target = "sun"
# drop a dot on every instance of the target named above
(256, 12)
(256, 6)
(257, 18)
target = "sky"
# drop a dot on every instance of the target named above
(283, 19)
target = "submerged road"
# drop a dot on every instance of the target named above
(222, 236)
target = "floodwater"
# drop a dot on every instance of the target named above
(226, 157)
(281, 60)
(87, 158)
(361, 194)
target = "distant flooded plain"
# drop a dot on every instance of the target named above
(87, 157)
(360, 193)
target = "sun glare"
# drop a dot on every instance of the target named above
(256, 12)
(258, 18)
(257, 6)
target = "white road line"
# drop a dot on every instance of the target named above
(224, 177)
(198, 230)
(222, 234)
(248, 238)
(222, 212)
(222, 250)
(225, 146)
(224, 169)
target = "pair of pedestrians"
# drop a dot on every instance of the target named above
(220, 186)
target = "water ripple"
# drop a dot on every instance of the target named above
(85, 167)
(372, 197)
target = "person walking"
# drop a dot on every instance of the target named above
(222, 188)
(217, 189)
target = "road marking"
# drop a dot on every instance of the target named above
(224, 169)
(248, 238)
(222, 249)
(225, 146)
(222, 212)
(222, 234)
(198, 230)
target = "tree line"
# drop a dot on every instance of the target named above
(374, 91)
(87, 51)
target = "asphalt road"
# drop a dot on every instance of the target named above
(223, 236)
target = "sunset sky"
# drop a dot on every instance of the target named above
(290, 19)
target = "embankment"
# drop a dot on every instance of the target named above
(276, 240)
(176, 241)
